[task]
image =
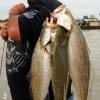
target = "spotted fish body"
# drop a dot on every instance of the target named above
(59, 53)
(79, 63)
(40, 72)
(59, 64)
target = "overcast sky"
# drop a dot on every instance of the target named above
(77, 7)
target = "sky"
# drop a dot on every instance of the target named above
(78, 8)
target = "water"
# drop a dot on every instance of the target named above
(93, 41)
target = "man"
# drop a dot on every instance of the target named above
(21, 33)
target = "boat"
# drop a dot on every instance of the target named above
(89, 23)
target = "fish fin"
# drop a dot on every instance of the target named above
(64, 20)
(88, 48)
(91, 81)
(63, 43)
(45, 35)
(45, 38)
(47, 49)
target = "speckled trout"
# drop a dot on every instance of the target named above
(59, 53)
(79, 63)
(59, 63)
(40, 72)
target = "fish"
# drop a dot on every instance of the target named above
(59, 64)
(59, 55)
(40, 71)
(79, 61)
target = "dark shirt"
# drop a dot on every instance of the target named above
(30, 22)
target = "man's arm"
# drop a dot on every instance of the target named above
(12, 28)
(28, 25)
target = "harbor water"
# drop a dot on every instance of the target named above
(93, 41)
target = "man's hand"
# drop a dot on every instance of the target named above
(17, 9)
(11, 29)
(4, 33)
